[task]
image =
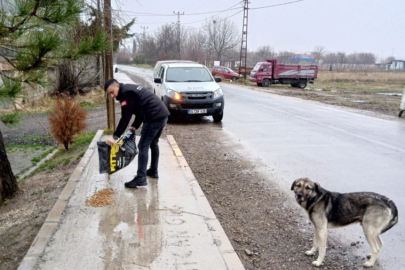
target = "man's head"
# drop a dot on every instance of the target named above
(111, 87)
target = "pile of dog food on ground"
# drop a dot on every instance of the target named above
(101, 198)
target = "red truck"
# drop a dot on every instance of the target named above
(270, 72)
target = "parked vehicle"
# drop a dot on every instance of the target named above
(160, 63)
(190, 89)
(270, 72)
(225, 72)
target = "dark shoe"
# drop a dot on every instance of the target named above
(137, 182)
(152, 173)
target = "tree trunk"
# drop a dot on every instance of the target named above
(8, 182)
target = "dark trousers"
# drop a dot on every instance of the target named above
(150, 135)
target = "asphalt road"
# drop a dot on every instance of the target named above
(344, 151)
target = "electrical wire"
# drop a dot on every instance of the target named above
(276, 5)
(188, 29)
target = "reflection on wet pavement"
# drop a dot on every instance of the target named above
(133, 229)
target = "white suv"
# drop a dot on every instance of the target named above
(190, 89)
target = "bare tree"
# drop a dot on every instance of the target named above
(222, 35)
(284, 57)
(389, 59)
(318, 52)
(265, 52)
(166, 41)
(194, 46)
(341, 57)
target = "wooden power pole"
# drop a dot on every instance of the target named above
(108, 69)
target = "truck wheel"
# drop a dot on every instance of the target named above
(218, 117)
(294, 84)
(259, 84)
(302, 84)
(266, 83)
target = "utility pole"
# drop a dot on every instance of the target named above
(243, 46)
(108, 69)
(133, 47)
(178, 32)
(144, 28)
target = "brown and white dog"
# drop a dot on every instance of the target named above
(376, 214)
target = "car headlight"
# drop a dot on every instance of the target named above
(173, 94)
(218, 93)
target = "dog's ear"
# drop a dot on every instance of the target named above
(293, 184)
(318, 188)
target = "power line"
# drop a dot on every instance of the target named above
(282, 4)
(171, 15)
(220, 12)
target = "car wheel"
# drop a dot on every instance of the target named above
(259, 84)
(234, 79)
(266, 83)
(302, 84)
(218, 117)
(294, 84)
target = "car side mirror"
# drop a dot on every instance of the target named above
(218, 79)
(157, 80)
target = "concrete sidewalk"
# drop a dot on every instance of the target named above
(168, 225)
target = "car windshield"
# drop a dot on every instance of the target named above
(188, 74)
(230, 70)
(256, 68)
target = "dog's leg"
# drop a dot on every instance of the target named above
(380, 242)
(314, 245)
(372, 240)
(322, 235)
(372, 228)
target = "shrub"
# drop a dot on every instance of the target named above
(10, 119)
(67, 120)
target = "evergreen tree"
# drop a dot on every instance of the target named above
(33, 35)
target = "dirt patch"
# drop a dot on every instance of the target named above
(22, 217)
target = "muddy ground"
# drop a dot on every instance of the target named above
(266, 227)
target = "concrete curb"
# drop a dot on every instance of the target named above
(49, 227)
(229, 255)
(49, 156)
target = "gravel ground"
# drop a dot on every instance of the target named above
(266, 227)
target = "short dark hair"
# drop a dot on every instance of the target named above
(109, 82)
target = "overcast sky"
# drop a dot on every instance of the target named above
(375, 26)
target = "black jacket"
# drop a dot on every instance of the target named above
(138, 101)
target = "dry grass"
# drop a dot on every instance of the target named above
(92, 99)
(362, 77)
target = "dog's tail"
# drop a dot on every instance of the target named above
(394, 214)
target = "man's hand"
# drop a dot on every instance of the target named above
(111, 141)
(132, 128)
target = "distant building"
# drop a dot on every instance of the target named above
(396, 65)
(302, 58)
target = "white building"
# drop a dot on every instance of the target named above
(396, 65)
